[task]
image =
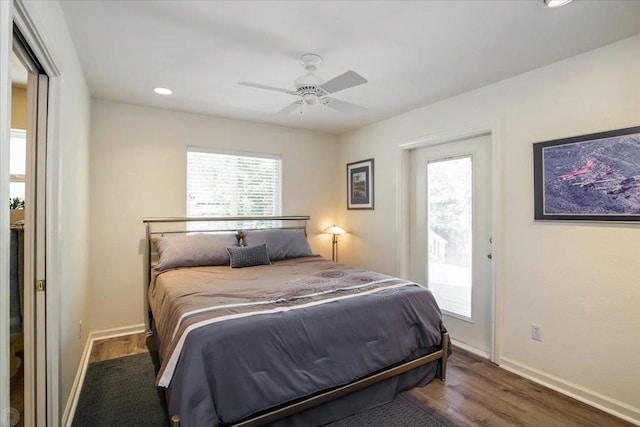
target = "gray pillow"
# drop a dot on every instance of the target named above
(281, 244)
(248, 256)
(194, 250)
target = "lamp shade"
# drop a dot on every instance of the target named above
(334, 229)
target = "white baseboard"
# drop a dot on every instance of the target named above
(117, 332)
(70, 408)
(592, 398)
(74, 395)
(470, 349)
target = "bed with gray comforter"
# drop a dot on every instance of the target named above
(236, 342)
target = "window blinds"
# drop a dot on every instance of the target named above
(233, 184)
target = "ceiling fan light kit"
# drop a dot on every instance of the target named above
(311, 90)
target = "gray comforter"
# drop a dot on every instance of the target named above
(235, 342)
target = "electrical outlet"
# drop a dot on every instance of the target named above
(536, 332)
(80, 329)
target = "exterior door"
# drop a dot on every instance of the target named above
(450, 235)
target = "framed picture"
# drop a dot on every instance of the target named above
(360, 185)
(589, 178)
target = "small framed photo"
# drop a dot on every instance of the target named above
(360, 185)
(592, 177)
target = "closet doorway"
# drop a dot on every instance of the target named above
(28, 159)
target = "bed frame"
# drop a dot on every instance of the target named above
(280, 222)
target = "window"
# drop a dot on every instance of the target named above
(233, 183)
(450, 218)
(17, 163)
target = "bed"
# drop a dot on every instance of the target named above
(255, 329)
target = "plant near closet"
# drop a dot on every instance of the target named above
(16, 206)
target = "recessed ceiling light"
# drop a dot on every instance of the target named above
(162, 91)
(556, 3)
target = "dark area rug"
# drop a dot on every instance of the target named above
(122, 392)
(403, 411)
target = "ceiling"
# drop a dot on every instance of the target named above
(413, 53)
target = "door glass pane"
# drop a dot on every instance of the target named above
(449, 192)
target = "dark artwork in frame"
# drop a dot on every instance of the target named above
(593, 177)
(360, 185)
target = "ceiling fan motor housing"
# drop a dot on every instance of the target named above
(307, 88)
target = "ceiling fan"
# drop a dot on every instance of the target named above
(311, 90)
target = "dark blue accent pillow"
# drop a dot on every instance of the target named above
(248, 256)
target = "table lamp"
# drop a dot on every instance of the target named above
(335, 231)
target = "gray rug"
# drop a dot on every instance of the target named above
(404, 411)
(122, 392)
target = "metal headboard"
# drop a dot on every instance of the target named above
(160, 226)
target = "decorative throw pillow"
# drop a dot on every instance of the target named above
(194, 250)
(280, 243)
(248, 256)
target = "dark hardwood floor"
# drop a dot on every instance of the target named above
(479, 393)
(476, 393)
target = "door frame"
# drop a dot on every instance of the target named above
(492, 129)
(6, 42)
(17, 12)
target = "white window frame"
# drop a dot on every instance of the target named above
(248, 154)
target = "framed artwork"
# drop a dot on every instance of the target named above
(360, 185)
(592, 177)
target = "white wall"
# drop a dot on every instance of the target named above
(67, 266)
(580, 281)
(138, 169)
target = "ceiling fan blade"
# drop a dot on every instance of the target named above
(289, 108)
(343, 106)
(259, 86)
(343, 81)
